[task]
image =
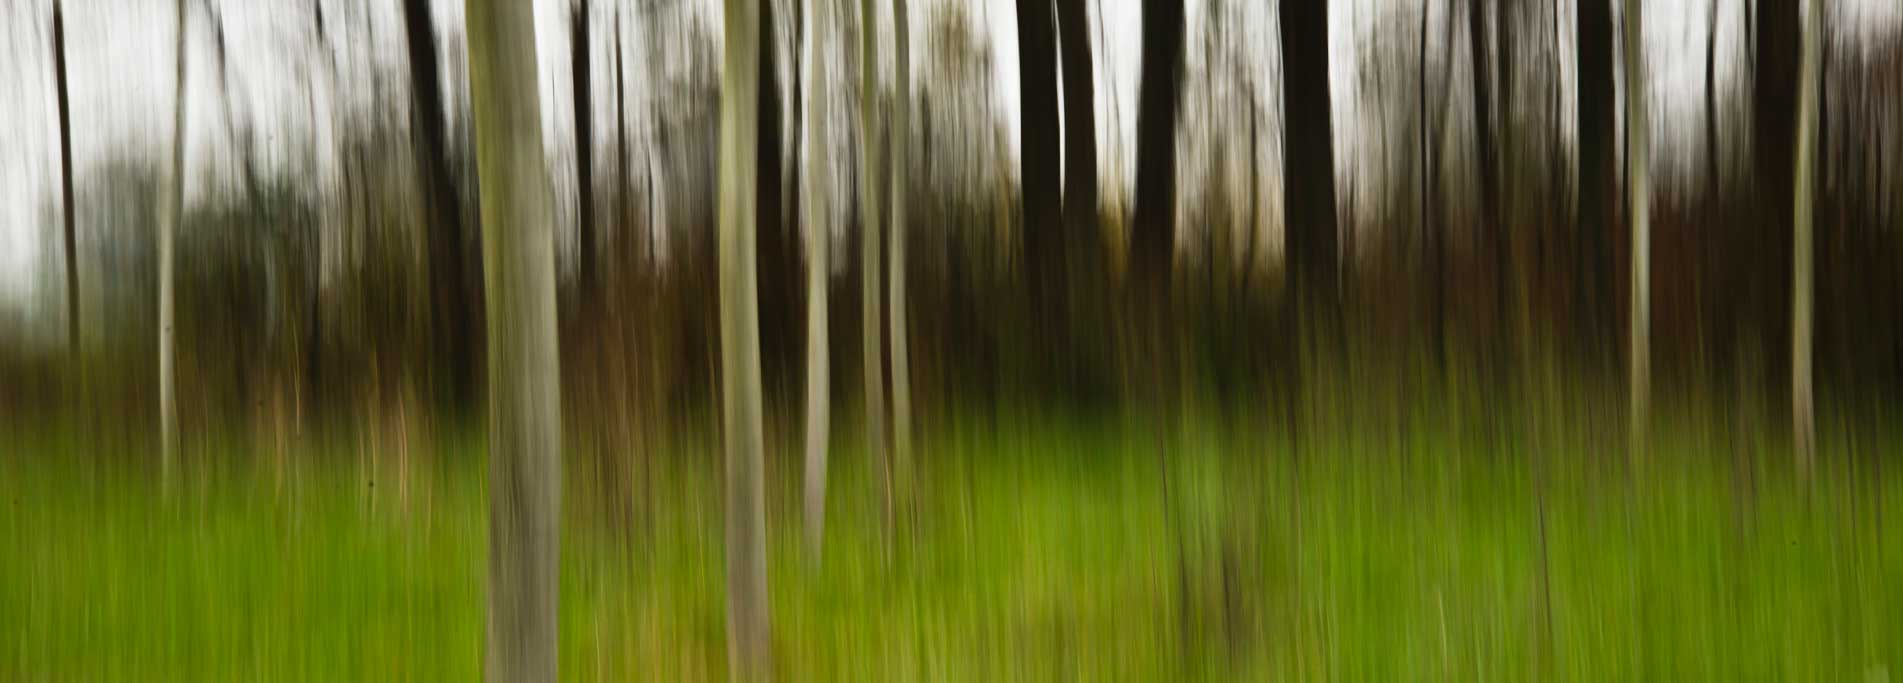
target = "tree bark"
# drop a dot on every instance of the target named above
(69, 210)
(895, 285)
(1308, 143)
(449, 300)
(1595, 118)
(170, 216)
(1489, 159)
(1803, 434)
(1080, 127)
(741, 412)
(818, 246)
(1039, 162)
(1638, 186)
(872, 350)
(584, 158)
(525, 480)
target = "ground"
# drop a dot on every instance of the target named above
(1027, 553)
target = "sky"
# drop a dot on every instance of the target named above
(121, 59)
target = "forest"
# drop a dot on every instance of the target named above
(951, 340)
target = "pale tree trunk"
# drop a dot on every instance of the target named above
(525, 481)
(169, 218)
(740, 392)
(895, 287)
(872, 349)
(1638, 184)
(818, 363)
(1803, 417)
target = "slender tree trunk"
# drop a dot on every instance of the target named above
(818, 248)
(1595, 118)
(1153, 244)
(1039, 162)
(170, 217)
(748, 635)
(1308, 143)
(1489, 159)
(1803, 418)
(525, 466)
(1430, 223)
(1638, 186)
(450, 303)
(66, 183)
(895, 286)
(1080, 127)
(584, 159)
(623, 212)
(776, 251)
(872, 350)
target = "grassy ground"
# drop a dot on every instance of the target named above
(1032, 554)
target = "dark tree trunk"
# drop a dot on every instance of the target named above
(66, 181)
(450, 304)
(777, 265)
(1491, 216)
(1041, 227)
(584, 160)
(1080, 127)
(1779, 44)
(1595, 105)
(1308, 143)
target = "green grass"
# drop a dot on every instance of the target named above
(1027, 554)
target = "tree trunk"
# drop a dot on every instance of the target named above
(1041, 227)
(1489, 159)
(1080, 128)
(1153, 247)
(1595, 115)
(623, 213)
(1803, 434)
(777, 253)
(1638, 185)
(741, 412)
(895, 269)
(66, 183)
(872, 350)
(525, 480)
(584, 160)
(170, 216)
(1430, 223)
(449, 300)
(1308, 143)
(818, 248)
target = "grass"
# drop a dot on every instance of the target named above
(1026, 554)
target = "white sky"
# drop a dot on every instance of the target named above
(121, 52)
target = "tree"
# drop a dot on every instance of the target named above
(873, 351)
(584, 156)
(895, 286)
(1803, 418)
(1080, 124)
(170, 216)
(524, 399)
(818, 233)
(66, 181)
(740, 392)
(449, 300)
(1308, 143)
(1638, 185)
(1595, 114)
(1039, 162)
(1776, 50)
(1487, 153)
